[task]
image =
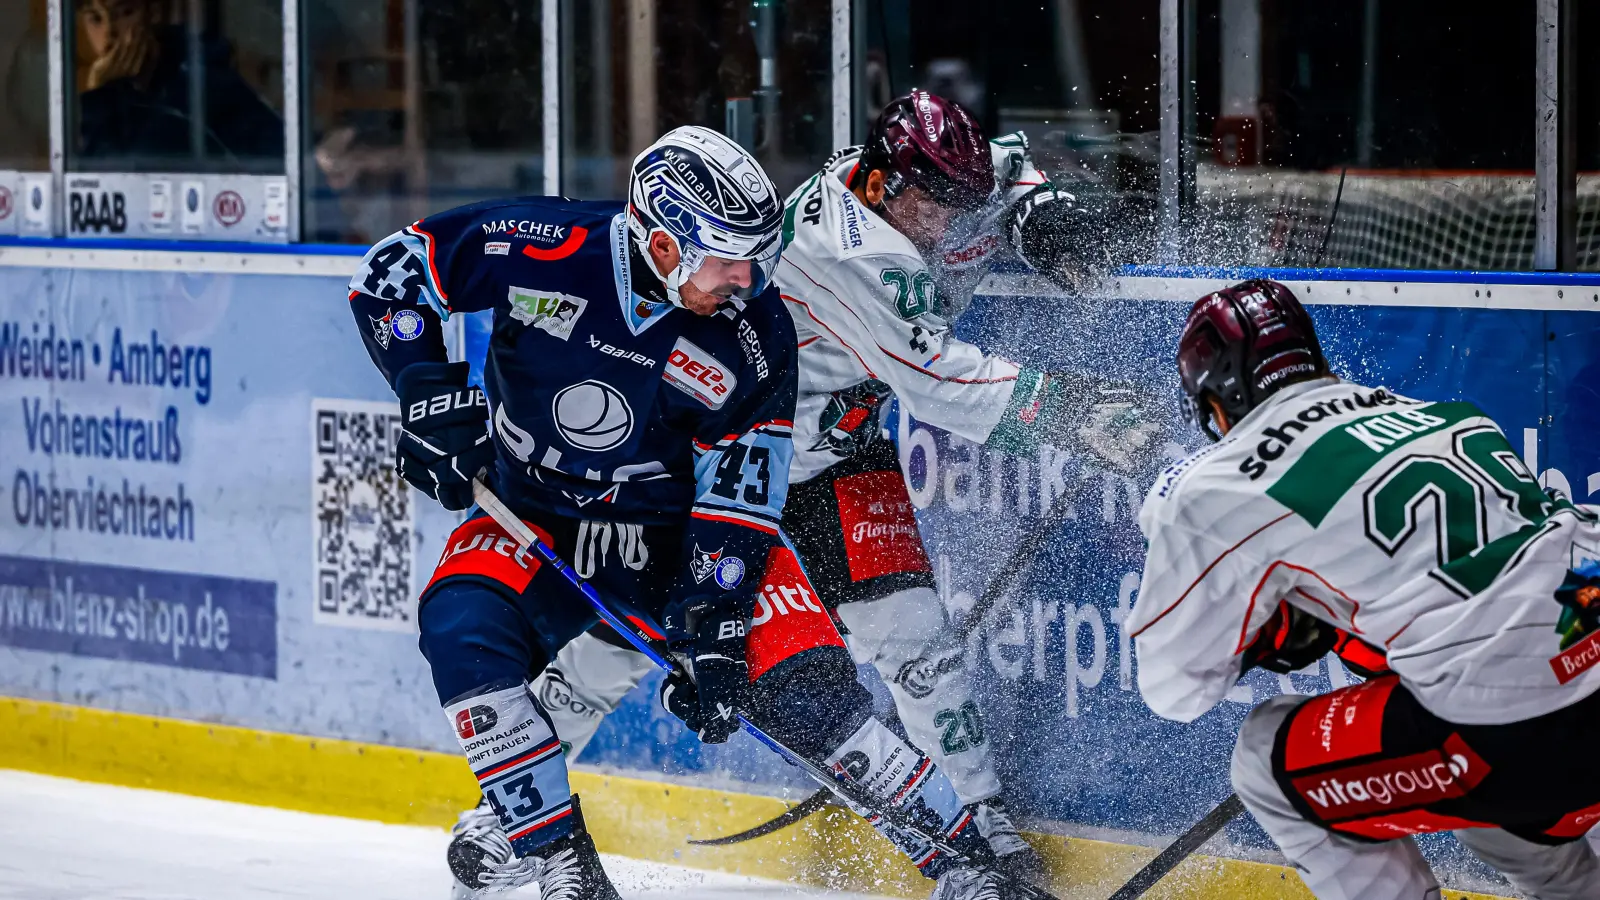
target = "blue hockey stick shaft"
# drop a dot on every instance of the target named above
(653, 645)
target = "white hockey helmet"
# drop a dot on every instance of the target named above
(712, 198)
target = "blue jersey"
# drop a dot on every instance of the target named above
(607, 402)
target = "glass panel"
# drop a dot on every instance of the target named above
(175, 86)
(1079, 78)
(1587, 115)
(756, 70)
(415, 106)
(24, 87)
(1385, 133)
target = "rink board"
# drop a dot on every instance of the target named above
(268, 577)
(629, 816)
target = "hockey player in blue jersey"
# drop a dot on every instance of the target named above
(641, 383)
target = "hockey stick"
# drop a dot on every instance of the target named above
(822, 798)
(1014, 565)
(1180, 849)
(647, 640)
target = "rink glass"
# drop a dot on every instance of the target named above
(1081, 79)
(413, 106)
(1425, 111)
(756, 70)
(161, 86)
(24, 86)
(1587, 18)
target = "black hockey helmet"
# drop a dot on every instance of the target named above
(1241, 345)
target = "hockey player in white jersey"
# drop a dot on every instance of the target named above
(884, 247)
(1329, 512)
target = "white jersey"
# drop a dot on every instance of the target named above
(867, 306)
(1413, 525)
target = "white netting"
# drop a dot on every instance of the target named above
(1282, 218)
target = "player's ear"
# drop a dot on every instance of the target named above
(663, 252)
(873, 192)
(1218, 415)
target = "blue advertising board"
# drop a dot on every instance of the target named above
(1054, 664)
(198, 515)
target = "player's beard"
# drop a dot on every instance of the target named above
(705, 303)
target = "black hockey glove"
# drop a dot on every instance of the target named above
(710, 704)
(1064, 233)
(446, 439)
(1290, 640)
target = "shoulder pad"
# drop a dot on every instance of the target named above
(825, 223)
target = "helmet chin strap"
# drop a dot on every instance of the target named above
(673, 281)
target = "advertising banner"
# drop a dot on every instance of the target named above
(199, 515)
(199, 518)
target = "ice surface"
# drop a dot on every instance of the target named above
(73, 840)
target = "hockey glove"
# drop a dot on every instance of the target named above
(1360, 657)
(1064, 233)
(446, 442)
(710, 704)
(1105, 420)
(1290, 640)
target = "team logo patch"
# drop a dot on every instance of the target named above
(407, 324)
(592, 415)
(699, 374)
(1579, 624)
(496, 248)
(919, 676)
(475, 720)
(703, 564)
(854, 765)
(381, 328)
(549, 311)
(729, 572)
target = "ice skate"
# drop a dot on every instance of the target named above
(1013, 854)
(482, 862)
(966, 884)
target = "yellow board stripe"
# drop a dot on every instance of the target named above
(629, 816)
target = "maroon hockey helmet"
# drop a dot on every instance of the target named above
(924, 140)
(1241, 345)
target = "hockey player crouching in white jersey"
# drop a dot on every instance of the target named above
(1328, 511)
(883, 248)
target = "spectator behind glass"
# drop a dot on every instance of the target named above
(134, 106)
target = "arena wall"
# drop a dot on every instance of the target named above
(200, 524)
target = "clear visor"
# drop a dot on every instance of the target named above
(762, 255)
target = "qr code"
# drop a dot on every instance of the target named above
(362, 527)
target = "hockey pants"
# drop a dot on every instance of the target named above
(1337, 867)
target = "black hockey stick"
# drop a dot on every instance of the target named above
(654, 645)
(822, 798)
(1180, 849)
(1031, 544)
